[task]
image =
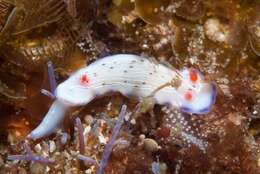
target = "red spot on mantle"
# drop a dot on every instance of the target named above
(188, 96)
(84, 79)
(193, 76)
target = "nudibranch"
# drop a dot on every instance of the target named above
(132, 76)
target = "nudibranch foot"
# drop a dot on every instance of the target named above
(51, 121)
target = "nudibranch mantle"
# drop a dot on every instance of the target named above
(132, 76)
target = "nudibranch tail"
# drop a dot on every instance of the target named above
(51, 121)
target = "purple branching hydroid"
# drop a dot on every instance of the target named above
(80, 135)
(51, 76)
(28, 156)
(87, 160)
(110, 144)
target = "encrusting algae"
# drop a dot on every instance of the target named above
(42, 44)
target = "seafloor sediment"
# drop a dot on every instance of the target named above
(220, 38)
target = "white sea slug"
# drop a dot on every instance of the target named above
(132, 76)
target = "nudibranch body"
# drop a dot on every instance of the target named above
(132, 76)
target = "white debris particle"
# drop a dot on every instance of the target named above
(52, 146)
(109, 106)
(226, 90)
(87, 129)
(47, 169)
(193, 60)
(235, 118)
(145, 46)
(161, 43)
(223, 80)
(142, 137)
(88, 119)
(133, 121)
(255, 112)
(194, 140)
(38, 148)
(127, 117)
(173, 6)
(88, 171)
(216, 31)
(102, 139)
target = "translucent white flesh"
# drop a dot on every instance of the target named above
(130, 75)
(51, 120)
